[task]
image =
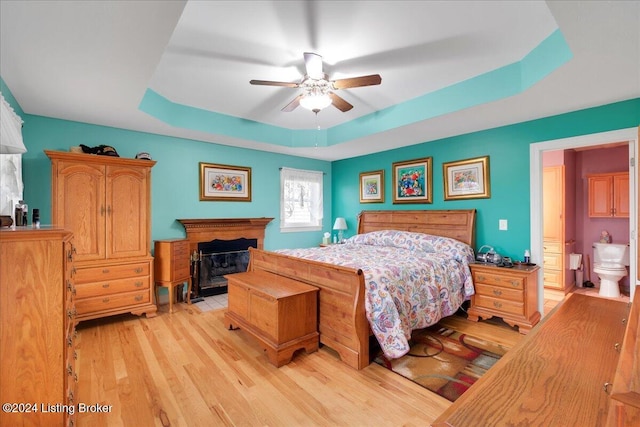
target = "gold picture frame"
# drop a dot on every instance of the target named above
(225, 183)
(412, 180)
(467, 179)
(372, 187)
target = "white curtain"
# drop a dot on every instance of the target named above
(11, 147)
(301, 204)
(10, 130)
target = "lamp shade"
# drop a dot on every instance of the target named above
(10, 130)
(340, 224)
(315, 102)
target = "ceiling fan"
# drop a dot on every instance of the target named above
(317, 89)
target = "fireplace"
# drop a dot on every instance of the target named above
(219, 246)
(217, 258)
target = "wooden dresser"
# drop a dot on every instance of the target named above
(37, 327)
(172, 267)
(105, 201)
(279, 312)
(561, 374)
(508, 293)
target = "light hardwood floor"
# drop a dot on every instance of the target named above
(186, 369)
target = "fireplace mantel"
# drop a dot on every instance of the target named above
(208, 229)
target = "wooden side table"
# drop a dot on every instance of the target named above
(509, 293)
(172, 267)
(281, 313)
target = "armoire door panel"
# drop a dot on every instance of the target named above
(81, 208)
(127, 203)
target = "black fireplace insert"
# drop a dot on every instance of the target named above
(215, 259)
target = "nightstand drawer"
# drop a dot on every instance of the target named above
(498, 279)
(499, 305)
(499, 292)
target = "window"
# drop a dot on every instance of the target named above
(300, 200)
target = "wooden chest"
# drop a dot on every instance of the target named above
(279, 312)
(508, 293)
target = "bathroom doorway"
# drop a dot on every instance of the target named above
(604, 140)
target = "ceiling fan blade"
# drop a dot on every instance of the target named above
(340, 103)
(293, 104)
(372, 80)
(313, 63)
(270, 83)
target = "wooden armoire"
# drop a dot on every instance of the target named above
(106, 202)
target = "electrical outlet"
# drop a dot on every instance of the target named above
(503, 224)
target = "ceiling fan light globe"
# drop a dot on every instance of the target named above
(315, 102)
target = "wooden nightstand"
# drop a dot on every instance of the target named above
(281, 313)
(509, 293)
(172, 267)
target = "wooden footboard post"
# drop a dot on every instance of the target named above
(342, 321)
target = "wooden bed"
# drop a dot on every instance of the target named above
(342, 322)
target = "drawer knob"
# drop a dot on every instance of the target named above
(138, 284)
(105, 285)
(69, 370)
(105, 300)
(515, 283)
(497, 292)
(138, 270)
(624, 321)
(497, 304)
(616, 346)
(70, 396)
(481, 277)
(138, 298)
(71, 313)
(105, 270)
(605, 387)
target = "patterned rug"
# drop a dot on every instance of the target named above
(445, 361)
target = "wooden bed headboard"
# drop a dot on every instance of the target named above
(456, 224)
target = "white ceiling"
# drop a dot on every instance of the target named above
(93, 61)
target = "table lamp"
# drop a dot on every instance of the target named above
(340, 225)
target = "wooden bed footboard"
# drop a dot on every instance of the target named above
(342, 321)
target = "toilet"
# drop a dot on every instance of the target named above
(610, 261)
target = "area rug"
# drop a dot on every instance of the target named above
(445, 361)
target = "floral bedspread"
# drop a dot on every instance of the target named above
(412, 280)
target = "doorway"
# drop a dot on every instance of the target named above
(536, 151)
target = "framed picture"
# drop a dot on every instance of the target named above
(413, 181)
(223, 182)
(372, 187)
(467, 179)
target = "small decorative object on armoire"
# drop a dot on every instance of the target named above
(107, 200)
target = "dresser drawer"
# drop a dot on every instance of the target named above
(552, 260)
(498, 305)
(552, 247)
(552, 278)
(110, 272)
(498, 279)
(109, 302)
(499, 292)
(108, 287)
(181, 249)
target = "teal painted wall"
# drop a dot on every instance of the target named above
(508, 151)
(175, 177)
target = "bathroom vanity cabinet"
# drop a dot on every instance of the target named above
(609, 195)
